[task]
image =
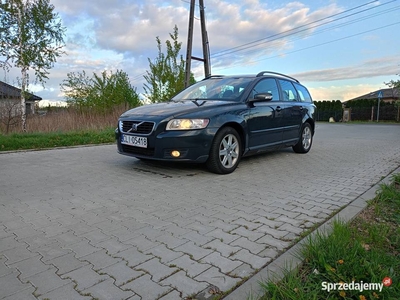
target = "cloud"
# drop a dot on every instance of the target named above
(370, 68)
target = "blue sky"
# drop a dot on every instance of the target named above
(338, 49)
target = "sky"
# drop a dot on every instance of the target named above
(339, 49)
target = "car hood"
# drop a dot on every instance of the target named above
(174, 108)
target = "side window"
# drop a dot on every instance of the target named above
(304, 95)
(288, 90)
(267, 85)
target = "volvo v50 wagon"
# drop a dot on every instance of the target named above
(221, 119)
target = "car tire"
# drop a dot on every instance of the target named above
(226, 151)
(305, 139)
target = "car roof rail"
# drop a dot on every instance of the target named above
(280, 74)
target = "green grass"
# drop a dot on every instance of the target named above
(366, 250)
(25, 141)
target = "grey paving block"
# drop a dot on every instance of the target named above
(100, 259)
(249, 234)
(47, 281)
(10, 285)
(190, 266)
(121, 273)
(18, 254)
(85, 277)
(223, 236)
(4, 270)
(146, 288)
(27, 294)
(226, 265)
(166, 255)
(255, 261)
(113, 246)
(106, 290)
(198, 239)
(193, 250)
(30, 266)
(173, 295)
(156, 269)
(49, 252)
(9, 242)
(253, 247)
(215, 278)
(142, 243)
(95, 236)
(225, 249)
(133, 257)
(171, 241)
(66, 292)
(82, 248)
(184, 284)
(66, 263)
(243, 271)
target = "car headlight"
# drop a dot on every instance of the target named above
(187, 124)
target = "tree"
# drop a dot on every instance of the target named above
(31, 37)
(167, 73)
(101, 92)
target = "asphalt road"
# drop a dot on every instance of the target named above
(86, 222)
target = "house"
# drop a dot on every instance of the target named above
(11, 96)
(387, 95)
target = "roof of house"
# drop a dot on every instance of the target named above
(7, 90)
(386, 94)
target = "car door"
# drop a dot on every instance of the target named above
(293, 113)
(265, 122)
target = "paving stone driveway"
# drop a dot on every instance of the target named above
(86, 223)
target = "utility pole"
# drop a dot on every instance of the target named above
(206, 55)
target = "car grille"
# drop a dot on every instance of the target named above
(136, 150)
(137, 127)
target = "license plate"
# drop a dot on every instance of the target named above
(137, 141)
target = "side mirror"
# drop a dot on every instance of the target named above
(262, 97)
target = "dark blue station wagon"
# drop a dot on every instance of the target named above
(220, 119)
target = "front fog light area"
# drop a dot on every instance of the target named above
(175, 153)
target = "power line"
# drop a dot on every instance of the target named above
(296, 30)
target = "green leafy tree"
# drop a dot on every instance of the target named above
(100, 92)
(31, 38)
(166, 77)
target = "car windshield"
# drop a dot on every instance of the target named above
(218, 88)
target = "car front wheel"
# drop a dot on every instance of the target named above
(305, 140)
(225, 152)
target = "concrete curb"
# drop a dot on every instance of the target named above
(289, 260)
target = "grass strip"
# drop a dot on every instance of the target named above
(354, 256)
(25, 141)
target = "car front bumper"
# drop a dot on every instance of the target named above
(193, 145)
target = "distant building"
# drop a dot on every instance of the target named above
(388, 95)
(10, 96)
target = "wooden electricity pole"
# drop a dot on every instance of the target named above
(206, 54)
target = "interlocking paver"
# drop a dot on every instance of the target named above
(224, 264)
(97, 199)
(184, 284)
(193, 250)
(66, 292)
(85, 277)
(30, 266)
(156, 269)
(10, 285)
(121, 273)
(47, 281)
(146, 288)
(106, 290)
(190, 266)
(214, 277)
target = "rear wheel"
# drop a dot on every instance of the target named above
(305, 140)
(225, 152)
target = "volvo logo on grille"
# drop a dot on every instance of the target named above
(135, 126)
